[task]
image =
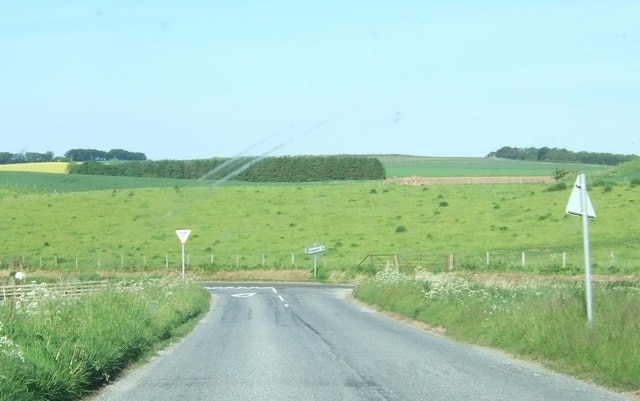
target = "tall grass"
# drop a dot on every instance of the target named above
(540, 320)
(58, 348)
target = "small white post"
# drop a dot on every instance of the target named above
(524, 260)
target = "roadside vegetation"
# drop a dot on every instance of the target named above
(541, 320)
(56, 347)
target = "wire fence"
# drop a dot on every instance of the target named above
(609, 261)
(168, 261)
(525, 261)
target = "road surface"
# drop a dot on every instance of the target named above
(306, 342)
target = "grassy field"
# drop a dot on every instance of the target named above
(406, 166)
(253, 226)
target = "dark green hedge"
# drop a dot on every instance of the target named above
(270, 169)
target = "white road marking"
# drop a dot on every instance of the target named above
(242, 288)
(246, 295)
(249, 294)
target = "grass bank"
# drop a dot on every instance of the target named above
(59, 348)
(543, 321)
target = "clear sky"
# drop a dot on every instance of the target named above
(198, 79)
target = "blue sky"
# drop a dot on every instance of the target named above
(197, 79)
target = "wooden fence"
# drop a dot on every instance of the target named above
(65, 289)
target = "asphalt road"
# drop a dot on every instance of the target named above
(301, 342)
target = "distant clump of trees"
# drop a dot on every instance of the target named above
(83, 155)
(28, 157)
(73, 155)
(560, 155)
(250, 169)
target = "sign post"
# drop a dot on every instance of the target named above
(580, 205)
(183, 235)
(315, 250)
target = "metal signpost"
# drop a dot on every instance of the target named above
(183, 235)
(314, 250)
(580, 205)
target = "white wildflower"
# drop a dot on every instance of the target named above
(9, 348)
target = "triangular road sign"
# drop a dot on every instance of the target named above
(574, 206)
(183, 235)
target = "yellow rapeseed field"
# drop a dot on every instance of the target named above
(51, 167)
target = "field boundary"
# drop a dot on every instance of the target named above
(66, 289)
(419, 180)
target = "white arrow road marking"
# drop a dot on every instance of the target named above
(250, 294)
(246, 295)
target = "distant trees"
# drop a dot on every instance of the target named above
(78, 155)
(251, 169)
(28, 157)
(560, 155)
(83, 155)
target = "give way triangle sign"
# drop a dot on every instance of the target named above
(183, 235)
(574, 206)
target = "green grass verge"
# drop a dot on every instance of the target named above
(541, 320)
(59, 348)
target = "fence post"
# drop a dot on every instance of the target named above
(524, 260)
(564, 260)
(488, 259)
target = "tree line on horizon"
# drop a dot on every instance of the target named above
(72, 155)
(546, 154)
(249, 169)
(507, 152)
